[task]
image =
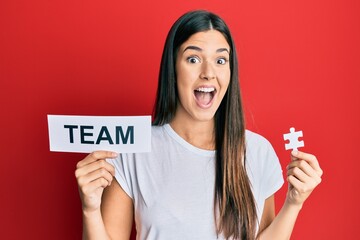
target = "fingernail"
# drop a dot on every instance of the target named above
(114, 154)
(294, 153)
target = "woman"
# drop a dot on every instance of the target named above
(206, 177)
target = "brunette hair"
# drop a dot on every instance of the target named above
(234, 210)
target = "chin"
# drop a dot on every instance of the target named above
(204, 117)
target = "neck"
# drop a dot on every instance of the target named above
(200, 134)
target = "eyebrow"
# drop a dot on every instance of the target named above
(200, 50)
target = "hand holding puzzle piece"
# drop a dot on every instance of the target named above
(294, 142)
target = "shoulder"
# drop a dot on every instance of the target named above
(256, 141)
(259, 151)
(155, 129)
(159, 133)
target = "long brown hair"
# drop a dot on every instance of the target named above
(234, 210)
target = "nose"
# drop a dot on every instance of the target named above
(207, 71)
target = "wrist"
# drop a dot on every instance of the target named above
(91, 213)
(293, 206)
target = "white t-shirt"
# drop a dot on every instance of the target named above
(172, 187)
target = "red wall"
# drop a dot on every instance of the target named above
(299, 63)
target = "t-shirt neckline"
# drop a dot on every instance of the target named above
(187, 145)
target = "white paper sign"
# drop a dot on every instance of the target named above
(86, 134)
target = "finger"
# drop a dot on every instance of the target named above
(295, 183)
(307, 169)
(91, 187)
(94, 156)
(299, 174)
(302, 187)
(311, 159)
(304, 166)
(99, 173)
(293, 156)
(94, 166)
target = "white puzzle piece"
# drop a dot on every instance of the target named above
(293, 138)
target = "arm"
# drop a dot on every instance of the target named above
(279, 227)
(304, 174)
(117, 210)
(107, 209)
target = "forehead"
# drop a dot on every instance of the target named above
(208, 40)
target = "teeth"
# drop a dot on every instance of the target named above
(204, 89)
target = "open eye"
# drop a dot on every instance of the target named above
(193, 59)
(221, 61)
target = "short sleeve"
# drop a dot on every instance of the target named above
(122, 173)
(272, 179)
(263, 167)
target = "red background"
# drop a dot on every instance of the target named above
(299, 63)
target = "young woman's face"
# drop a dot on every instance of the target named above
(203, 74)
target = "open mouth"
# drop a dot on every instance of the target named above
(204, 96)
